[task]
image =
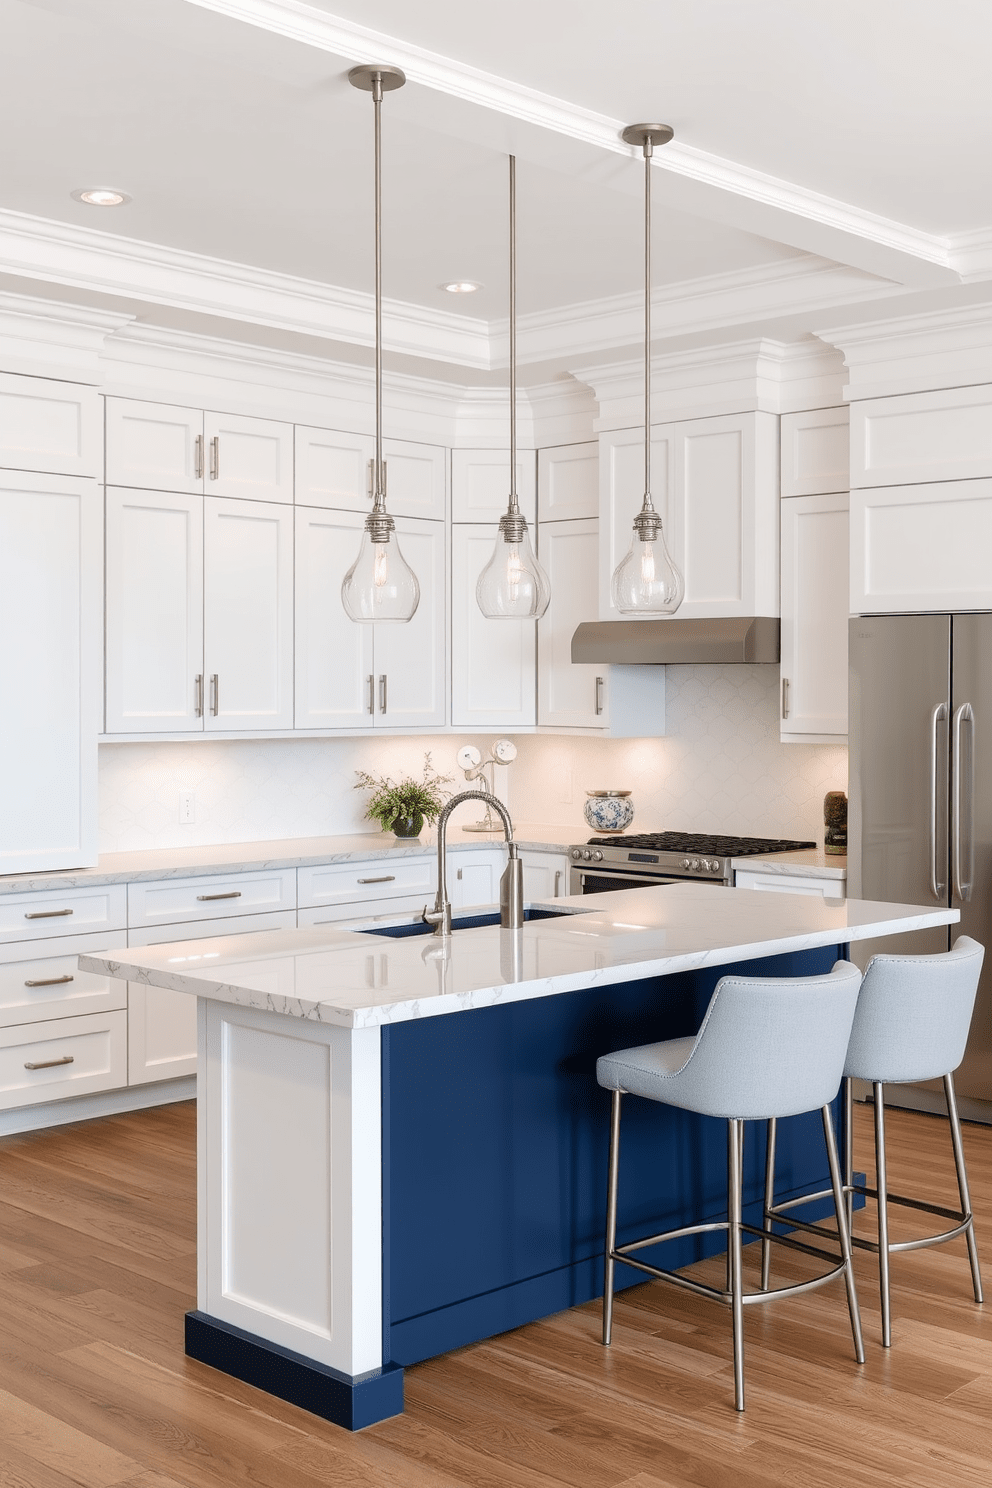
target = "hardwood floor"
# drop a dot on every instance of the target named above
(97, 1267)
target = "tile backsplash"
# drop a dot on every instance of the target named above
(720, 767)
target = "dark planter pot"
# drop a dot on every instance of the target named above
(408, 826)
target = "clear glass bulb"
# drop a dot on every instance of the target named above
(513, 585)
(380, 586)
(647, 582)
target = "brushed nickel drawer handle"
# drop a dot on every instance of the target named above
(51, 1063)
(46, 914)
(386, 878)
(215, 694)
(198, 457)
(51, 981)
(206, 898)
(215, 458)
(198, 684)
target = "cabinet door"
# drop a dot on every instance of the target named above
(248, 614)
(154, 612)
(815, 451)
(567, 694)
(921, 547)
(493, 662)
(409, 659)
(568, 482)
(335, 678)
(250, 458)
(480, 484)
(473, 878)
(154, 445)
(50, 584)
(815, 580)
(50, 426)
(621, 492)
(545, 875)
(332, 469)
(415, 479)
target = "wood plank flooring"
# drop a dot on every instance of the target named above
(97, 1267)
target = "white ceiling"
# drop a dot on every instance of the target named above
(233, 127)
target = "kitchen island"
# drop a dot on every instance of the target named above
(401, 1142)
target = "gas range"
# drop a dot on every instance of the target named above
(625, 862)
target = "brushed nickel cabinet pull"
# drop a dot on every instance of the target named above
(46, 914)
(51, 1063)
(215, 694)
(785, 697)
(215, 457)
(371, 692)
(386, 878)
(198, 684)
(198, 457)
(382, 693)
(50, 981)
(599, 695)
(557, 882)
(206, 898)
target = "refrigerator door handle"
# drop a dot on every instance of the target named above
(961, 884)
(938, 715)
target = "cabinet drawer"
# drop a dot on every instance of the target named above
(785, 883)
(212, 898)
(71, 1056)
(372, 909)
(46, 986)
(40, 916)
(351, 883)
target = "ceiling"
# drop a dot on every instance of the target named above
(807, 137)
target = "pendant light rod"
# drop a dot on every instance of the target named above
(514, 502)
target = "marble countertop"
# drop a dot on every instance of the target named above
(806, 862)
(360, 980)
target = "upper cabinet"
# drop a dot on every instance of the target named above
(335, 470)
(161, 447)
(816, 452)
(814, 618)
(480, 484)
(568, 482)
(715, 483)
(49, 426)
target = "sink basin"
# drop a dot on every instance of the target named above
(463, 922)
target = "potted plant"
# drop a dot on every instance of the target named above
(402, 806)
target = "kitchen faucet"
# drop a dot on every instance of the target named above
(511, 885)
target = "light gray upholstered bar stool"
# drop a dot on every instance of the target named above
(767, 1047)
(911, 1023)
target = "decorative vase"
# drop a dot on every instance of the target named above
(407, 826)
(835, 822)
(608, 810)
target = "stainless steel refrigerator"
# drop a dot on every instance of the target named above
(920, 827)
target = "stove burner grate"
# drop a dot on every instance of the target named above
(692, 842)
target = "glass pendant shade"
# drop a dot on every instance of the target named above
(513, 585)
(646, 581)
(380, 586)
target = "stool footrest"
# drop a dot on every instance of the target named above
(778, 1212)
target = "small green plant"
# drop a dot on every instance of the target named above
(398, 805)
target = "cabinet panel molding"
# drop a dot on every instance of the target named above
(55, 427)
(493, 662)
(921, 547)
(568, 482)
(248, 458)
(155, 446)
(480, 484)
(922, 437)
(816, 452)
(815, 578)
(332, 468)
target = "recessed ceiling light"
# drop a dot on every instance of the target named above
(100, 196)
(461, 286)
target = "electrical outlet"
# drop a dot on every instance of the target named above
(187, 807)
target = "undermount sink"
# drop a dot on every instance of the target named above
(462, 922)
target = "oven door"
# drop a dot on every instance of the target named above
(584, 880)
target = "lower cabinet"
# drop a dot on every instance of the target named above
(788, 883)
(473, 877)
(545, 874)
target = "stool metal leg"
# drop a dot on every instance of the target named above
(844, 1233)
(766, 1224)
(735, 1257)
(740, 1160)
(952, 1114)
(882, 1185)
(848, 1088)
(611, 1216)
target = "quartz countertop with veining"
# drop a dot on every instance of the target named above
(357, 979)
(806, 862)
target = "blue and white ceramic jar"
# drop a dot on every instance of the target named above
(608, 810)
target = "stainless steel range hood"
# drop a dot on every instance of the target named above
(752, 639)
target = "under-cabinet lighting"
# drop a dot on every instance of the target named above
(100, 196)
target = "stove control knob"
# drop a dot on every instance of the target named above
(587, 855)
(597, 857)
(686, 864)
(694, 865)
(576, 853)
(714, 867)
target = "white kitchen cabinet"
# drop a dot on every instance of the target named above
(356, 884)
(815, 451)
(480, 484)
(154, 446)
(42, 980)
(161, 1025)
(49, 914)
(247, 615)
(334, 469)
(715, 484)
(921, 547)
(493, 662)
(50, 617)
(789, 883)
(815, 578)
(473, 877)
(352, 676)
(416, 479)
(568, 482)
(62, 1057)
(248, 458)
(545, 874)
(942, 435)
(569, 695)
(54, 427)
(216, 898)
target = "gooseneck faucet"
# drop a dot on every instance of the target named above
(511, 885)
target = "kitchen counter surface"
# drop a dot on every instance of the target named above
(807, 862)
(363, 980)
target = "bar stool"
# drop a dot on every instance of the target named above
(911, 1023)
(767, 1047)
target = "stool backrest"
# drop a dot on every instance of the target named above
(772, 1047)
(914, 1014)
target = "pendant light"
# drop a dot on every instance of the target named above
(646, 581)
(513, 585)
(380, 586)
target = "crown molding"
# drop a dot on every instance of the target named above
(48, 338)
(916, 353)
(971, 254)
(299, 21)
